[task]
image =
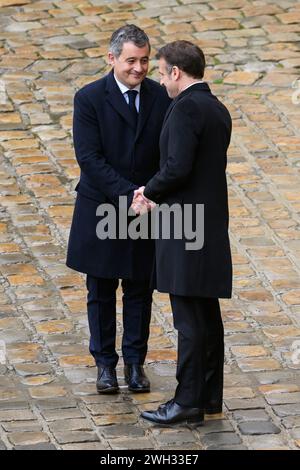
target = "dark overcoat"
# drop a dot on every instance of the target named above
(193, 145)
(115, 158)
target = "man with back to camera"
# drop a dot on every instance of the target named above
(193, 145)
(116, 127)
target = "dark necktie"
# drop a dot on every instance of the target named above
(132, 96)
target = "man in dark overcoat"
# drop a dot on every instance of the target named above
(117, 123)
(193, 145)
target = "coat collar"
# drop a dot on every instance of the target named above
(197, 87)
(116, 99)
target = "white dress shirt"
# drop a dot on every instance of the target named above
(191, 84)
(124, 90)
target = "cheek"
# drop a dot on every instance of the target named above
(126, 68)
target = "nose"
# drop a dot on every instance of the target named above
(138, 67)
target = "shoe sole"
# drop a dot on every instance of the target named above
(193, 420)
(108, 391)
(139, 390)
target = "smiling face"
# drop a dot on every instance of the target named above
(169, 80)
(131, 66)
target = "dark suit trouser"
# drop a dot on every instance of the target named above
(101, 307)
(200, 361)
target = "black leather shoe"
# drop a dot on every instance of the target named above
(172, 413)
(136, 378)
(107, 380)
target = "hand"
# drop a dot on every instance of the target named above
(140, 204)
(151, 204)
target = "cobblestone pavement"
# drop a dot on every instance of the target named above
(48, 49)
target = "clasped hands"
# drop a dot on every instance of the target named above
(140, 204)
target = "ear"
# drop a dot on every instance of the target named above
(111, 58)
(176, 72)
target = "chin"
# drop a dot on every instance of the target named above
(136, 80)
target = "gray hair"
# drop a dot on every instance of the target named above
(128, 33)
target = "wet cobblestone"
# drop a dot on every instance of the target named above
(48, 49)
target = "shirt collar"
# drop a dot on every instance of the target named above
(200, 81)
(125, 88)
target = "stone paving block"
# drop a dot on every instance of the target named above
(182, 447)
(112, 419)
(291, 422)
(115, 431)
(268, 442)
(283, 398)
(227, 447)
(70, 425)
(62, 414)
(296, 434)
(116, 408)
(27, 438)
(242, 339)
(55, 326)
(16, 415)
(250, 415)
(221, 438)
(55, 403)
(85, 446)
(47, 391)
(258, 428)
(287, 410)
(129, 444)
(234, 379)
(80, 375)
(22, 426)
(2, 446)
(212, 426)
(283, 380)
(244, 404)
(238, 392)
(74, 360)
(68, 437)
(15, 404)
(42, 446)
(255, 364)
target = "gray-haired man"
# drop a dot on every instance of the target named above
(117, 123)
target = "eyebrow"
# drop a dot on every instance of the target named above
(145, 57)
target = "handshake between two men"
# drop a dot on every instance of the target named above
(140, 204)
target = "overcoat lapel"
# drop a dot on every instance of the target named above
(147, 98)
(116, 99)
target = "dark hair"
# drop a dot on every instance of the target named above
(185, 55)
(128, 33)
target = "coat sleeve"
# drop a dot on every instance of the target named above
(183, 140)
(89, 153)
